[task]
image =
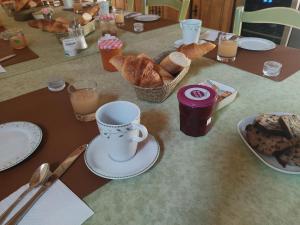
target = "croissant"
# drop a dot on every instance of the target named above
(141, 70)
(54, 26)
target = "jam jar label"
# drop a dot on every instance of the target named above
(197, 94)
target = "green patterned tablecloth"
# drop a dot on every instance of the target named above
(211, 180)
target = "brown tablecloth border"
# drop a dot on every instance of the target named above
(62, 133)
(147, 25)
(253, 61)
(22, 55)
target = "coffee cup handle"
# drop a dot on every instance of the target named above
(142, 129)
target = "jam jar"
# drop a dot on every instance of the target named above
(196, 106)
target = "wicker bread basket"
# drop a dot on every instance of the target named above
(159, 94)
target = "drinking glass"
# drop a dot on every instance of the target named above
(138, 27)
(227, 48)
(272, 68)
(119, 17)
(17, 39)
(84, 98)
(77, 7)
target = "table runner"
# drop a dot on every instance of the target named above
(253, 61)
(62, 133)
(147, 25)
(22, 55)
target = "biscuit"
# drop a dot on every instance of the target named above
(264, 142)
(291, 124)
(270, 123)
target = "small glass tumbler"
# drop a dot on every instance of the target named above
(119, 17)
(272, 68)
(138, 27)
(84, 98)
(56, 83)
(17, 40)
(227, 48)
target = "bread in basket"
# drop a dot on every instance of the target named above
(155, 82)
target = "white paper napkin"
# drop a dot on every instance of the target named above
(58, 206)
(211, 35)
(2, 70)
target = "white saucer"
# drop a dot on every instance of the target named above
(100, 163)
(178, 43)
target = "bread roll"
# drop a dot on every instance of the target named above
(194, 51)
(117, 61)
(20, 4)
(175, 62)
(93, 10)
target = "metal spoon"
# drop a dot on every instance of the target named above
(38, 177)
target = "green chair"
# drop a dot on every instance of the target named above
(275, 15)
(180, 5)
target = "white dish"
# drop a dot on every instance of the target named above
(256, 44)
(100, 163)
(18, 140)
(270, 161)
(147, 18)
(222, 88)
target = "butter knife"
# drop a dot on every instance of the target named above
(44, 187)
(7, 57)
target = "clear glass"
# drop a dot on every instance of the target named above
(9, 7)
(77, 7)
(84, 98)
(227, 48)
(17, 40)
(138, 27)
(272, 68)
(119, 17)
(56, 83)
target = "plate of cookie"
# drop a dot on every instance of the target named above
(274, 138)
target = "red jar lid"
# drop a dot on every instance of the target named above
(197, 96)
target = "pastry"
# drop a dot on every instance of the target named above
(194, 51)
(291, 124)
(264, 142)
(141, 70)
(270, 123)
(20, 4)
(175, 62)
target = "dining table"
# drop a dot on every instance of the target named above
(210, 180)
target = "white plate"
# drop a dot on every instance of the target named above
(256, 44)
(18, 140)
(270, 161)
(147, 18)
(222, 88)
(98, 161)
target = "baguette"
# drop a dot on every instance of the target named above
(175, 62)
(194, 51)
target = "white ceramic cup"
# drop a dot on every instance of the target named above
(119, 125)
(191, 29)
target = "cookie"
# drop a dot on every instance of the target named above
(291, 124)
(270, 123)
(264, 142)
(290, 156)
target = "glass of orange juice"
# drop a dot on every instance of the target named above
(84, 98)
(119, 17)
(227, 48)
